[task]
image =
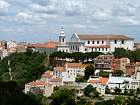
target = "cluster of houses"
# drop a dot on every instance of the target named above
(66, 74)
(9, 47)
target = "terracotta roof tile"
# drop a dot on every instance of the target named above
(75, 65)
(93, 81)
(47, 74)
(100, 80)
(60, 69)
(56, 79)
(37, 83)
(44, 45)
(104, 37)
(103, 80)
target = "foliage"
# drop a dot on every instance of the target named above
(90, 91)
(63, 97)
(25, 67)
(89, 70)
(117, 90)
(117, 73)
(10, 94)
(134, 56)
(120, 53)
(76, 56)
(83, 102)
(104, 74)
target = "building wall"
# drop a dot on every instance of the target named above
(63, 48)
(95, 45)
(11, 44)
(126, 44)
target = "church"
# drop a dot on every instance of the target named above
(93, 43)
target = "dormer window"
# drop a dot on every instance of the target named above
(88, 42)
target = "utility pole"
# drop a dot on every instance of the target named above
(10, 70)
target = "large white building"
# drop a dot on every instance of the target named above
(100, 43)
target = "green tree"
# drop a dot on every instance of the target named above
(89, 89)
(121, 53)
(104, 74)
(63, 97)
(10, 94)
(118, 73)
(89, 70)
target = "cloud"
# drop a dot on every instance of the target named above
(4, 6)
(28, 17)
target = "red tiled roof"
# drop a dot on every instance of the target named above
(104, 37)
(37, 83)
(60, 69)
(93, 81)
(45, 45)
(103, 80)
(75, 65)
(47, 74)
(56, 79)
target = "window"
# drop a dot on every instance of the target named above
(115, 41)
(88, 42)
(97, 42)
(63, 40)
(92, 42)
(102, 42)
(99, 49)
(106, 49)
(92, 49)
(85, 49)
(122, 41)
(102, 49)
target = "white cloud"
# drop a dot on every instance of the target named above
(4, 6)
(79, 26)
(129, 20)
(28, 17)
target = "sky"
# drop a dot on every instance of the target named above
(41, 20)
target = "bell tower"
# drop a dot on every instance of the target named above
(62, 37)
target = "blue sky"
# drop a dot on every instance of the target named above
(41, 20)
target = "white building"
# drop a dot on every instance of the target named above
(62, 45)
(70, 71)
(3, 53)
(11, 44)
(100, 43)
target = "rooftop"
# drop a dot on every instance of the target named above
(37, 83)
(56, 79)
(50, 44)
(75, 65)
(104, 37)
(47, 74)
(60, 69)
